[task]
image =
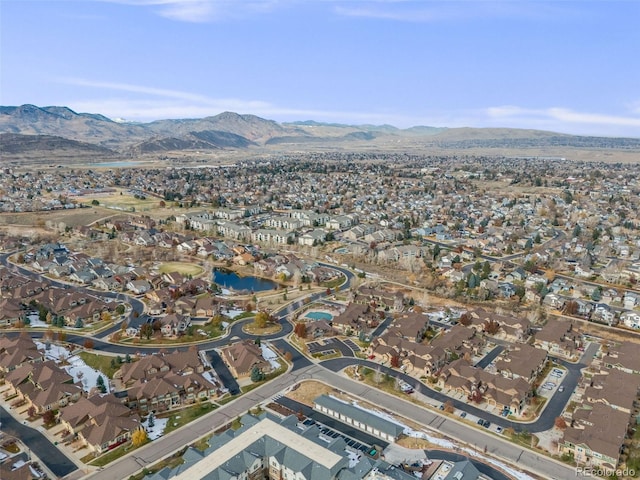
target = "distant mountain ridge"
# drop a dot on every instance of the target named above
(42, 130)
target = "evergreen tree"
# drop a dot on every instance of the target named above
(256, 374)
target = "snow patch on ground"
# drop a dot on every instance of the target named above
(79, 370)
(157, 430)
(234, 313)
(270, 356)
(448, 444)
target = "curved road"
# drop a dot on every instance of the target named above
(303, 369)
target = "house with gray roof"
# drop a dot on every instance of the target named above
(358, 417)
(270, 447)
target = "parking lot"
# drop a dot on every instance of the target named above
(552, 383)
(321, 347)
(351, 344)
(331, 433)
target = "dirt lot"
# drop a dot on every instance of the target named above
(307, 392)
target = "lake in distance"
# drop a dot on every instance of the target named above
(230, 280)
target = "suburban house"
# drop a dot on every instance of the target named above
(174, 324)
(596, 436)
(43, 385)
(379, 298)
(150, 366)
(138, 286)
(242, 357)
(17, 351)
(100, 422)
(623, 357)
(522, 361)
(356, 318)
(479, 385)
(559, 337)
(165, 381)
(614, 388)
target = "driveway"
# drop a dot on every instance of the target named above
(223, 372)
(57, 462)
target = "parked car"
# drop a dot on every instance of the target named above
(463, 414)
(486, 424)
(498, 429)
(480, 421)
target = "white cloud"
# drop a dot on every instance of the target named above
(437, 11)
(143, 103)
(127, 87)
(563, 115)
(566, 120)
(201, 11)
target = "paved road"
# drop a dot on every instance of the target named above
(553, 408)
(489, 357)
(52, 457)
(451, 427)
(302, 369)
(168, 444)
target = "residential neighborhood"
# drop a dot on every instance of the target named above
(503, 300)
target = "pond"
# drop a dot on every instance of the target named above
(231, 280)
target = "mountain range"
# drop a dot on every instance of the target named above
(34, 132)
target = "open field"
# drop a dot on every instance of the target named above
(122, 200)
(72, 218)
(182, 268)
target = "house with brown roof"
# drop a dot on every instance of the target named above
(172, 390)
(479, 385)
(100, 422)
(623, 356)
(18, 470)
(355, 319)
(43, 385)
(512, 328)
(596, 436)
(615, 388)
(521, 360)
(206, 306)
(411, 325)
(459, 341)
(17, 351)
(378, 297)
(167, 380)
(559, 337)
(243, 356)
(151, 366)
(11, 311)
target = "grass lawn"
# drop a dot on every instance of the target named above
(182, 268)
(111, 455)
(100, 362)
(125, 202)
(182, 417)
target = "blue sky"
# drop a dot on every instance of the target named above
(566, 66)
